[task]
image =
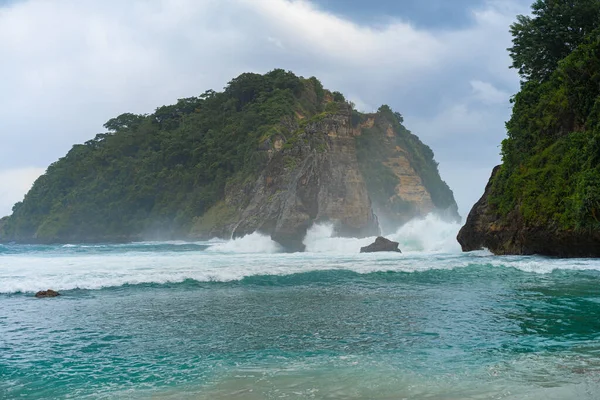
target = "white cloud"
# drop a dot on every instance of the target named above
(14, 183)
(72, 65)
(488, 93)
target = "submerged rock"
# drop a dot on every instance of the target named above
(47, 293)
(381, 244)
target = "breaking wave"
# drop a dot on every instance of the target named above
(30, 273)
(428, 246)
(254, 243)
(430, 235)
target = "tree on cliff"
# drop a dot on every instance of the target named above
(555, 30)
(551, 154)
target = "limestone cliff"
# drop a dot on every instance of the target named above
(400, 171)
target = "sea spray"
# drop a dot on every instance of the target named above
(429, 234)
(320, 238)
(253, 243)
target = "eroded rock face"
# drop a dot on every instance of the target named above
(484, 228)
(410, 187)
(47, 293)
(316, 179)
(316, 171)
(477, 231)
(395, 163)
(381, 244)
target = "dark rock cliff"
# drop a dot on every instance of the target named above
(316, 179)
(485, 228)
(316, 175)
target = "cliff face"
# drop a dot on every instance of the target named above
(315, 179)
(401, 174)
(273, 153)
(318, 176)
(486, 228)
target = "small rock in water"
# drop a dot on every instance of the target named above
(381, 244)
(47, 293)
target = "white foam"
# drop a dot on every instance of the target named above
(429, 234)
(30, 273)
(320, 239)
(253, 243)
(427, 244)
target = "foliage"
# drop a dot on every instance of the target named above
(338, 97)
(555, 30)
(155, 173)
(216, 216)
(551, 156)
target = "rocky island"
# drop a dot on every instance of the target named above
(545, 197)
(272, 153)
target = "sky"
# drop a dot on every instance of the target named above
(68, 66)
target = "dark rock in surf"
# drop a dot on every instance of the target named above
(486, 228)
(381, 244)
(46, 293)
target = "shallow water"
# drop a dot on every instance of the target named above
(237, 319)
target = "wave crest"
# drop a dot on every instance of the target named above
(430, 234)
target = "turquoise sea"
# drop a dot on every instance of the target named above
(241, 320)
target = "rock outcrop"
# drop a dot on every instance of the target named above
(381, 244)
(329, 169)
(47, 293)
(486, 228)
(316, 179)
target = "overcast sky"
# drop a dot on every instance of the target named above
(67, 66)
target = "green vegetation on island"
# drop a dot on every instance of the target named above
(165, 174)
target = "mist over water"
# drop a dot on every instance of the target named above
(253, 243)
(240, 318)
(426, 244)
(430, 234)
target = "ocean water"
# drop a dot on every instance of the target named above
(241, 320)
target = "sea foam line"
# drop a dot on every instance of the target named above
(427, 244)
(30, 274)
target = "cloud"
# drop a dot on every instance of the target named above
(14, 183)
(488, 93)
(72, 65)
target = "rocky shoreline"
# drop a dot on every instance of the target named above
(511, 235)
